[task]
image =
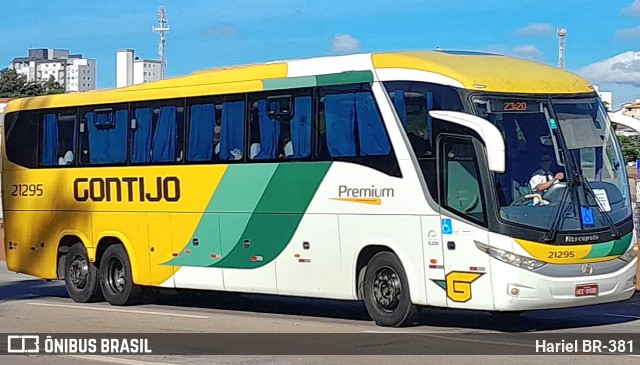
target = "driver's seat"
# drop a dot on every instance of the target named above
(519, 191)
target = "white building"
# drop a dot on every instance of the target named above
(130, 70)
(72, 71)
(605, 96)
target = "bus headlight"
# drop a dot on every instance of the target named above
(630, 255)
(510, 257)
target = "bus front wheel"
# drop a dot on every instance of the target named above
(116, 279)
(386, 292)
(81, 276)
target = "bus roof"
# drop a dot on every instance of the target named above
(471, 70)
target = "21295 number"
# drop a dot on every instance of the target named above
(561, 254)
(27, 190)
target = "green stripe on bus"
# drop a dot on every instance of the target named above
(277, 215)
(289, 83)
(241, 188)
(621, 245)
(600, 250)
(352, 77)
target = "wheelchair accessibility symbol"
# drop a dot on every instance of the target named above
(587, 216)
(447, 228)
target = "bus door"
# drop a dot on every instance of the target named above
(465, 278)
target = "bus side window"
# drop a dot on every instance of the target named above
(232, 131)
(103, 136)
(58, 138)
(158, 134)
(20, 129)
(354, 126)
(283, 137)
(202, 126)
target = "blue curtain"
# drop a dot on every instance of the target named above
(598, 163)
(301, 127)
(429, 98)
(142, 135)
(107, 138)
(118, 137)
(50, 140)
(232, 138)
(373, 138)
(98, 138)
(201, 129)
(163, 147)
(340, 115)
(401, 107)
(269, 132)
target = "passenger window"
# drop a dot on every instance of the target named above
(232, 131)
(204, 132)
(20, 129)
(280, 127)
(158, 134)
(412, 102)
(460, 178)
(351, 126)
(58, 138)
(103, 136)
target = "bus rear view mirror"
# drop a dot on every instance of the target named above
(546, 141)
(488, 132)
(279, 106)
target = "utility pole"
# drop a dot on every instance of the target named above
(162, 29)
(561, 34)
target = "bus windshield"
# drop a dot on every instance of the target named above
(563, 163)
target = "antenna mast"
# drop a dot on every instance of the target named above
(561, 34)
(162, 29)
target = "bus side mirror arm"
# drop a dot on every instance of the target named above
(489, 133)
(625, 120)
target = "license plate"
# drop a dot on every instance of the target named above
(585, 290)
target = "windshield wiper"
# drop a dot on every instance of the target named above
(561, 213)
(607, 217)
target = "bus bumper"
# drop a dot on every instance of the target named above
(518, 289)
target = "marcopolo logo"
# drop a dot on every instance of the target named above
(369, 195)
(83, 344)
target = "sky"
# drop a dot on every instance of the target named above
(602, 43)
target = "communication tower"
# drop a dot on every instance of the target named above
(162, 29)
(561, 34)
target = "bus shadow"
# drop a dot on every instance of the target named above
(533, 321)
(30, 289)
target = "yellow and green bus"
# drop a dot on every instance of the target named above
(403, 179)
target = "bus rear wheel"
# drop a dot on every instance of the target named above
(386, 292)
(81, 276)
(116, 279)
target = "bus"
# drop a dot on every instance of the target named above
(402, 179)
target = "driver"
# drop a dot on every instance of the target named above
(543, 178)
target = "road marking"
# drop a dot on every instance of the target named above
(622, 316)
(114, 360)
(94, 308)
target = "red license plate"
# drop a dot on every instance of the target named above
(585, 290)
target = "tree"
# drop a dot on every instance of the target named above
(15, 85)
(630, 147)
(607, 106)
(52, 86)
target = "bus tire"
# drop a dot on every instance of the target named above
(386, 292)
(116, 279)
(81, 277)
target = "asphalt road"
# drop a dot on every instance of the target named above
(29, 305)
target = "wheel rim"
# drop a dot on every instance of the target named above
(115, 278)
(387, 289)
(79, 272)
